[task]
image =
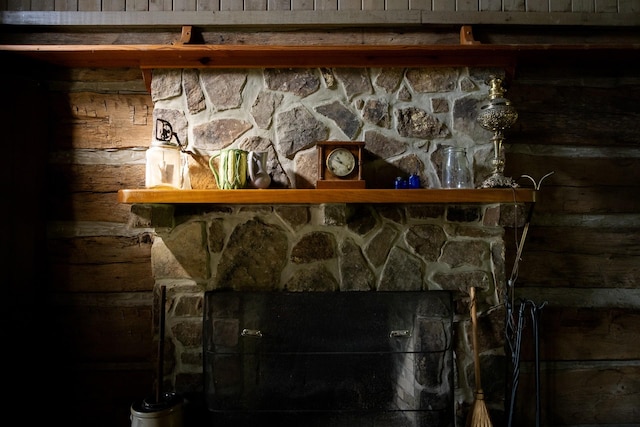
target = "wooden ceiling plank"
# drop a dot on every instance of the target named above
(312, 18)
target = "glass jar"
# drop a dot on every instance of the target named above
(163, 169)
(455, 169)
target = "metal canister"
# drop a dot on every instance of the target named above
(166, 413)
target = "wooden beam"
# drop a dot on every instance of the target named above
(261, 56)
(149, 57)
(147, 77)
(315, 196)
(185, 36)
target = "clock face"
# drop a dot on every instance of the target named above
(341, 162)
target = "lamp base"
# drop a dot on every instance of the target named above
(498, 181)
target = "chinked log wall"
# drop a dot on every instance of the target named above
(581, 256)
(585, 239)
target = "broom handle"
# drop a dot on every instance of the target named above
(474, 337)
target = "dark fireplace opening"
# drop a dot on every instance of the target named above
(329, 358)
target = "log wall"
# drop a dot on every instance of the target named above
(86, 292)
(581, 255)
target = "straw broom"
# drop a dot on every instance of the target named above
(478, 415)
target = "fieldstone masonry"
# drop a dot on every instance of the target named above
(405, 118)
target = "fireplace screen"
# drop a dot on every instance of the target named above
(329, 358)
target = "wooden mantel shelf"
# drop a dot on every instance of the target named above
(252, 56)
(271, 56)
(149, 57)
(314, 196)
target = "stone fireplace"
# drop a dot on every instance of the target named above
(406, 117)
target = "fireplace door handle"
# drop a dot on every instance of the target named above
(256, 333)
(400, 333)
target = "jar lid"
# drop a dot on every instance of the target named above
(164, 144)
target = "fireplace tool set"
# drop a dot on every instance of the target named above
(515, 324)
(498, 115)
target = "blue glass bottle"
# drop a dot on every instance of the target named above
(414, 181)
(400, 183)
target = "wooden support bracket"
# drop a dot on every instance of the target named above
(185, 37)
(466, 35)
(147, 75)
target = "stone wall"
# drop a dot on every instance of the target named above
(405, 117)
(330, 248)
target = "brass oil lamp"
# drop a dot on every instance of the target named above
(497, 115)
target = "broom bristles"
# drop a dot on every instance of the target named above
(479, 415)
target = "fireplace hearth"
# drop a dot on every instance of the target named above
(329, 358)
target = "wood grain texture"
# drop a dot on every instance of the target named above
(260, 56)
(570, 114)
(97, 178)
(581, 395)
(92, 120)
(327, 12)
(580, 257)
(317, 196)
(101, 264)
(88, 207)
(110, 332)
(445, 35)
(608, 330)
